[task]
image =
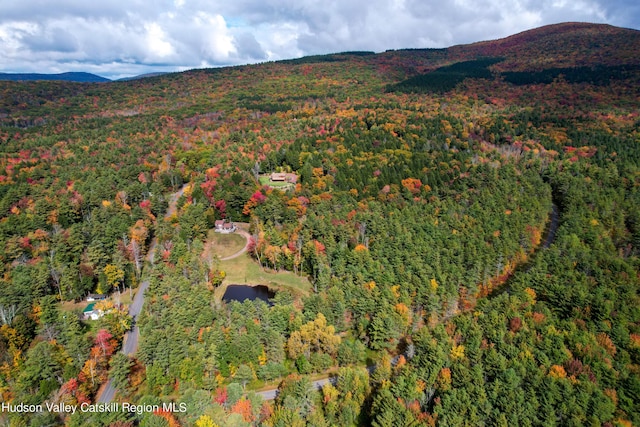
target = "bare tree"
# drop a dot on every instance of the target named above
(136, 253)
(50, 331)
(256, 238)
(256, 171)
(362, 233)
(299, 254)
(56, 229)
(55, 272)
(7, 314)
(123, 196)
(256, 249)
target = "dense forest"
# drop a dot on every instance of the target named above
(459, 245)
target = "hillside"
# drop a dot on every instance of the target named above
(459, 245)
(560, 45)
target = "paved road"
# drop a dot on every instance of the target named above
(318, 384)
(268, 394)
(131, 338)
(130, 341)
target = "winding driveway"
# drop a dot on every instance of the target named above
(247, 237)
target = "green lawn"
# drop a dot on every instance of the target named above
(244, 270)
(224, 245)
(264, 180)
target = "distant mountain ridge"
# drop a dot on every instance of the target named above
(550, 47)
(80, 77)
(141, 76)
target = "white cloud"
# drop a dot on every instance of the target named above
(12, 33)
(217, 43)
(156, 41)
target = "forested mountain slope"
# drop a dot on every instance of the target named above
(406, 254)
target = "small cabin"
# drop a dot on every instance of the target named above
(96, 297)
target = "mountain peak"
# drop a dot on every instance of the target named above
(560, 45)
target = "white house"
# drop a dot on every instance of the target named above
(224, 227)
(96, 297)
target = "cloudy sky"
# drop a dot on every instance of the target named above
(118, 38)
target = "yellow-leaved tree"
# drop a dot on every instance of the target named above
(314, 336)
(205, 421)
(114, 275)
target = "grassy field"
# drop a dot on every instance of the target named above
(224, 245)
(244, 270)
(264, 180)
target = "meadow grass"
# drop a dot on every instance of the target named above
(244, 270)
(224, 245)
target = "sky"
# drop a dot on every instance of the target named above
(122, 38)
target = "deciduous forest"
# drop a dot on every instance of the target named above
(457, 243)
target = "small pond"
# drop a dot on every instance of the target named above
(243, 292)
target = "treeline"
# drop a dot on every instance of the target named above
(446, 78)
(599, 75)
